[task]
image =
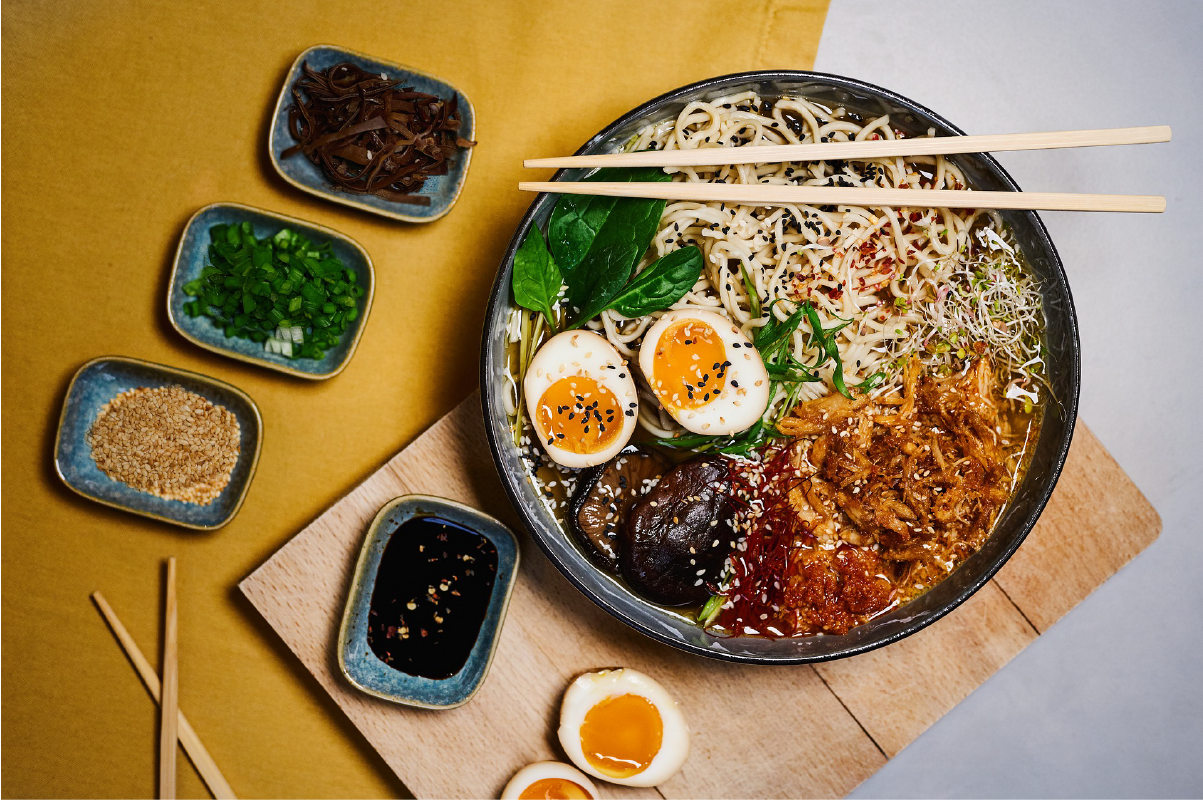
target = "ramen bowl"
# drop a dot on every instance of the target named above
(1048, 451)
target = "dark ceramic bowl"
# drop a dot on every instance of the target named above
(983, 173)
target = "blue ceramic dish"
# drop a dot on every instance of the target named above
(356, 659)
(192, 255)
(102, 379)
(302, 173)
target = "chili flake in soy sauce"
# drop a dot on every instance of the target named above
(432, 592)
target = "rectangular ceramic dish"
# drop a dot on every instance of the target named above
(192, 255)
(99, 381)
(355, 657)
(302, 173)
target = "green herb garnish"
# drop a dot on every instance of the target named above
(753, 295)
(741, 444)
(597, 244)
(537, 280)
(664, 282)
(872, 382)
(773, 335)
(264, 289)
(710, 609)
(824, 340)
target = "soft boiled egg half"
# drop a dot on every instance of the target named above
(581, 398)
(621, 726)
(705, 372)
(549, 780)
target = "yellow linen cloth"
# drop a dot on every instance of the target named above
(124, 119)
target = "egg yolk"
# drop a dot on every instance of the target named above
(690, 365)
(555, 789)
(579, 415)
(621, 735)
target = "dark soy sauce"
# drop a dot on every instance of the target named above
(432, 592)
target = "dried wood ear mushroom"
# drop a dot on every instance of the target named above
(370, 137)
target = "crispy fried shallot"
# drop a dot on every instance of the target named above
(888, 497)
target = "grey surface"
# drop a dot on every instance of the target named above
(1109, 702)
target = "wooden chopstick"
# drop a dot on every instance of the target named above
(196, 751)
(769, 194)
(169, 702)
(880, 148)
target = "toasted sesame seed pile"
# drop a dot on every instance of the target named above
(168, 442)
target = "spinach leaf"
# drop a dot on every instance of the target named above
(595, 281)
(578, 218)
(619, 245)
(536, 277)
(620, 242)
(574, 224)
(663, 283)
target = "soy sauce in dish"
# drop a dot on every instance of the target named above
(432, 591)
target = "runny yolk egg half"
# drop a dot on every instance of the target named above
(621, 726)
(705, 372)
(581, 399)
(549, 780)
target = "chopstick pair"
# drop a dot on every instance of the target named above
(173, 722)
(769, 194)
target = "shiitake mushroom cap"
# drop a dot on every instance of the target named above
(597, 535)
(674, 541)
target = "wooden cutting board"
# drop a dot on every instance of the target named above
(757, 731)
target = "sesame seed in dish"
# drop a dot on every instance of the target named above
(167, 442)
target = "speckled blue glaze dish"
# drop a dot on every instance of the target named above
(192, 255)
(355, 658)
(102, 379)
(302, 173)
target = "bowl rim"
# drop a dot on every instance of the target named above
(359, 598)
(343, 198)
(500, 296)
(287, 369)
(180, 373)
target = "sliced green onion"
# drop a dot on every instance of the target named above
(278, 291)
